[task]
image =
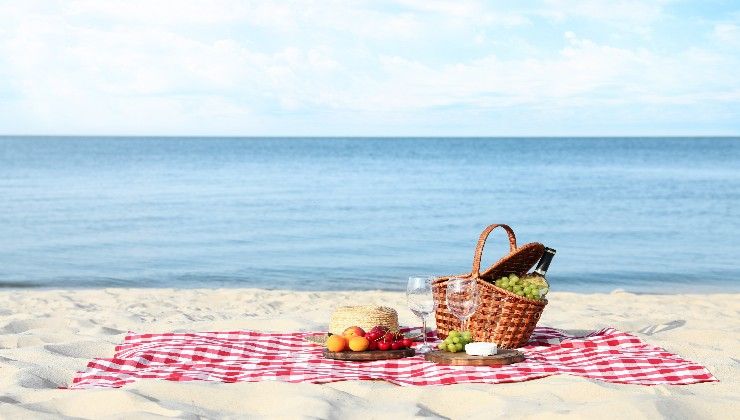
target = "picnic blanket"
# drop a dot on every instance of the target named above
(608, 355)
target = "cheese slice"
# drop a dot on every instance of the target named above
(481, 349)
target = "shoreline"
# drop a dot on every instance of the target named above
(47, 335)
(617, 290)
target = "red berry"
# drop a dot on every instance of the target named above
(373, 345)
(379, 330)
(407, 342)
(382, 345)
(397, 345)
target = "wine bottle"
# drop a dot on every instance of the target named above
(539, 277)
(545, 261)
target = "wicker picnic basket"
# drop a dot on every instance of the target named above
(501, 317)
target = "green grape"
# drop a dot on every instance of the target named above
(452, 348)
(467, 336)
(448, 340)
(518, 289)
(459, 346)
(454, 333)
(442, 346)
(503, 283)
(519, 293)
(456, 339)
(513, 276)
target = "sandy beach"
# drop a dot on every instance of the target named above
(48, 335)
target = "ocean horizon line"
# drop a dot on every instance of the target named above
(379, 137)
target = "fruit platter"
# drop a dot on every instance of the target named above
(379, 343)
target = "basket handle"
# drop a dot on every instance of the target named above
(482, 243)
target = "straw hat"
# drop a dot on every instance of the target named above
(365, 317)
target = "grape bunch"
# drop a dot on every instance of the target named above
(455, 341)
(529, 287)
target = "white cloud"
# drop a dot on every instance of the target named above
(618, 11)
(728, 34)
(253, 67)
(470, 11)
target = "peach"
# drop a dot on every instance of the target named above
(358, 343)
(354, 331)
(336, 343)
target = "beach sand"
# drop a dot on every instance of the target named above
(48, 335)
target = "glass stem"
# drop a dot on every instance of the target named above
(424, 329)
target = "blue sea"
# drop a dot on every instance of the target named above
(649, 215)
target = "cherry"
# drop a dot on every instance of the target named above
(382, 345)
(379, 330)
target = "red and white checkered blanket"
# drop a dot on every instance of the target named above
(608, 355)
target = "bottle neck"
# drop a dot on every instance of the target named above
(544, 263)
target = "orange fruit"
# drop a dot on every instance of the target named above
(336, 343)
(358, 343)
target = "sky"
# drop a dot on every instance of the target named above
(370, 68)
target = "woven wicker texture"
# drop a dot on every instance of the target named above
(502, 317)
(364, 316)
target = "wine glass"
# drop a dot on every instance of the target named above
(421, 302)
(462, 298)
